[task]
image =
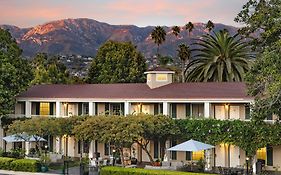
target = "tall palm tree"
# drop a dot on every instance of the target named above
(158, 35)
(176, 30)
(220, 58)
(189, 26)
(184, 54)
(210, 25)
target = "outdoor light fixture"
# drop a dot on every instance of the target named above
(113, 151)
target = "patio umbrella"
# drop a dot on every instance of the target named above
(22, 138)
(191, 145)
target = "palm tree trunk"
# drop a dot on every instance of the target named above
(182, 72)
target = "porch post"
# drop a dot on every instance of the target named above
(91, 109)
(58, 145)
(207, 109)
(91, 149)
(126, 108)
(27, 147)
(165, 108)
(27, 108)
(58, 108)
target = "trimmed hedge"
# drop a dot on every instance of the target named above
(139, 171)
(25, 165)
(5, 163)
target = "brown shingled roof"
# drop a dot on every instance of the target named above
(140, 91)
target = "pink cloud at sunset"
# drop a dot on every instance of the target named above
(26, 13)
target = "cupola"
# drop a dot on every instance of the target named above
(157, 77)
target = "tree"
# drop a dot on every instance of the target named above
(155, 127)
(119, 131)
(210, 25)
(38, 126)
(264, 83)
(260, 20)
(48, 70)
(15, 72)
(159, 36)
(220, 58)
(176, 30)
(165, 60)
(189, 26)
(117, 62)
(184, 54)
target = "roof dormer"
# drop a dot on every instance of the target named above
(158, 77)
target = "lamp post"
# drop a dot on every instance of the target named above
(113, 152)
(247, 164)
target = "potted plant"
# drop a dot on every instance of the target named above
(157, 162)
(45, 161)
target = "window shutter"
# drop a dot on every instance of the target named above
(161, 108)
(37, 106)
(247, 112)
(51, 108)
(79, 108)
(122, 109)
(96, 108)
(187, 110)
(107, 108)
(174, 110)
(269, 156)
(156, 109)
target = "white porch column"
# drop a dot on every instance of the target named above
(126, 108)
(91, 108)
(165, 108)
(254, 164)
(207, 109)
(58, 109)
(208, 159)
(167, 153)
(58, 145)
(27, 147)
(91, 149)
(28, 108)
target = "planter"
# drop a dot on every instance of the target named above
(156, 164)
(44, 169)
(134, 161)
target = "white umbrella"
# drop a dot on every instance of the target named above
(191, 145)
(22, 138)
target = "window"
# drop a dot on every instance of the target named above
(269, 156)
(22, 107)
(187, 110)
(174, 153)
(115, 108)
(107, 150)
(269, 117)
(261, 154)
(161, 77)
(44, 108)
(197, 110)
(156, 149)
(197, 155)
(148, 77)
(188, 155)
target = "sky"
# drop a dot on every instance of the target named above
(28, 13)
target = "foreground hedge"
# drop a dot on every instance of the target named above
(25, 165)
(139, 171)
(5, 163)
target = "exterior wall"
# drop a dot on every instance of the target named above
(153, 83)
(146, 108)
(181, 114)
(101, 108)
(221, 155)
(18, 109)
(276, 156)
(234, 156)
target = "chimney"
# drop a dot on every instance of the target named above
(158, 77)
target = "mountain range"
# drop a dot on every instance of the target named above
(84, 36)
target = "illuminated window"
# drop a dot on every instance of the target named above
(161, 77)
(44, 108)
(197, 155)
(148, 77)
(261, 154)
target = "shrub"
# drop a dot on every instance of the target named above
(139, 171)
(26, 165)
(5, 163)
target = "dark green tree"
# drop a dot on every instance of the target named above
(48, 70)
(189, 27)
(184, 55)
(117, 62)
(221, 57)
(159, 36)
(210, 25)
(15, 72)
(262, 21)
(176, 30)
